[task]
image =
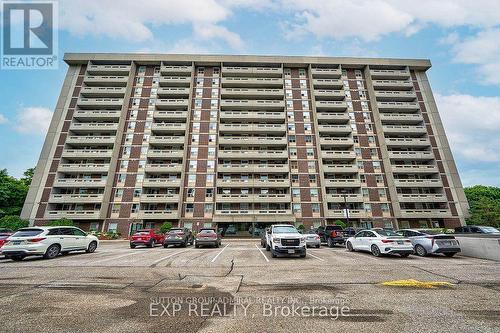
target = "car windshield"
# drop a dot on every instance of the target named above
(430, 232)
(207, 231)
(175, 231)
(383, 232)
(28, 232)
(284, 230)
(311, 232)
(489, 230)
(142, 232)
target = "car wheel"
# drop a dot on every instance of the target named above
(375, 250)
(92, 247)
(165, 245)
(420, 250)
(184, 244)
(217, 244)
(196, 245)
(263, 245)
(318, 246)
(132, 246)
(191, 242)
(52, 251)
(268, 248)
(404, 255)
(349, 247)
(449, 255)
(151, 243)
(330, 243)
(16, 258)
(273, 254)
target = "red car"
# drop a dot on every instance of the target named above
(4, 234)
(146, 237)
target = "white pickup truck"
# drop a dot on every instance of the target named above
(285, 239)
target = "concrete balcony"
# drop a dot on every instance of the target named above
(83, 168)
(175, 81)
(252, 128)
(72, 214)
(257, 104)
(176, 69)
(340, 168)
(344, 197)
(336, 141)
(251, 82)
(253, 182)
(353, 213)
(342, 183)
(158, 198)
(262, 213)
(328, 83)
(169, 127)
(403, 129)
(422, 198)
(331, 105)
(158, 214)
(76, 140)
(104, 103)
(173, 92)
(258, 198)
(398, 106)
(102, 91)
(76, 198)
(118, 81)
(414, 169)
(425, 213)
(172, 104)
(81, 127)
(326, 72)
(410, 118)
(163, 153)
(163, 168)
(87, 153)
(253, 168)
(178, 115)
(80, 182)
(396, 95)
(252, 71)
(266, 141)
(161, 182)
(251, 93)
(407, 142)
(389, 74)
(108, 69)
(97, 115)
(393, 84)
(338, 155)
(258, 154)
(328, 94)
(411, 155)
(166, 140)
(252, 115)
(333, 116)
(418, 182)
(344, 129)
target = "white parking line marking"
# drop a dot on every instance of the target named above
(258, 248)
(312, 255)
(218, 254)
(113, 258)
(156, 262)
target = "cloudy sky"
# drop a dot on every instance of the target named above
(460, 37)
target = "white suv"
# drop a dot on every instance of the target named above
(285, 239)
(47, 242)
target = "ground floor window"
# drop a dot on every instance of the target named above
(112, 227)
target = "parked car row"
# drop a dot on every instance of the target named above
(176, 237)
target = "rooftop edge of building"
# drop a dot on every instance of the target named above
(211, 59)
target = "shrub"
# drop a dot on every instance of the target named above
(61, 223)
(13, 222)
(340, 223)
(301, 227)
(165, 227)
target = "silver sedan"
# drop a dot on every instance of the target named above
(429, 242)
(312, 239)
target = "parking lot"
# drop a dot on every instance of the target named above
(118, 289)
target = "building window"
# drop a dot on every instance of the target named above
(209, 207)
(296, 208)
(209, 192)
(314, 192)
(315, 207)
(137, 192)
(367, 207)
(295, 192)
(291, 138)
(115, 208)
(118, 193)
(112, 227)
(190, 192)
(189, 208)
(135, 208)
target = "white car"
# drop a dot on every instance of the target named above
(380, 241)
(285, 239)
(48, 242)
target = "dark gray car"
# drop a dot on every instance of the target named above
(428, 242)
(178, 236)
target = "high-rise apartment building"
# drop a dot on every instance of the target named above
(234, 141)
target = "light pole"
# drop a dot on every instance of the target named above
(344, 195)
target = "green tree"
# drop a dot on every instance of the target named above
(61, 223)
(13, 222)
(165, 227)
(12, 194)
(484, 205)
(340, 223)
(28, 176)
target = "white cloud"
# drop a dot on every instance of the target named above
(471, 124)
(3, 119)
(133, 20)
(482, 49)
(33, 120)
